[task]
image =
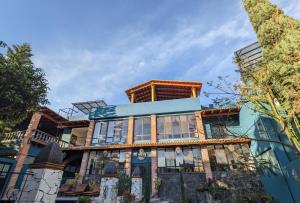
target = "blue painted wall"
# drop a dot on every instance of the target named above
(283, 186)
(13, 164)
(146, 108)
(33, 152)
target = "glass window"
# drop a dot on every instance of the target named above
(217, 127)
(110, 132)
(97, 160)
(142, 129)
(229, 157)
(161, 158)
(176, 126)
(172, 159)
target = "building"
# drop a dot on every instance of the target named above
(164, 131)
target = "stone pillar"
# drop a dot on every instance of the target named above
(130, 139)
(137, 184)
(46, 174)
(34, 122)
(43, 184)
(109, 184)
(85, 156)
(128, 161)
(204, 151)
(153, 129)
(153, 170)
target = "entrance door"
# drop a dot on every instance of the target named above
(144, 163)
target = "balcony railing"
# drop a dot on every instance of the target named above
(37, 136)
(12, 136)
(45, 138)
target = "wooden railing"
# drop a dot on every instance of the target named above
(45, 138)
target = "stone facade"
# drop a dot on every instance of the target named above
(237, 183)
(109, 190)
(137, 188)
(41, 186)
(197, 188)
(170, 186)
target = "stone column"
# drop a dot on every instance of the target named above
(204, 151)
(43, 184)
(44, 176)
(109, 184)
(137, 184)
(128, 161)
(34, 122)
(153, 170)
(85, 156)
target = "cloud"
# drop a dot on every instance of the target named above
(135, 55)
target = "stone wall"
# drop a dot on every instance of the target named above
(237, 183)
(198, 190)
(170, 187)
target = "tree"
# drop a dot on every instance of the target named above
(23, 87)
(236, 94)
(276, 80)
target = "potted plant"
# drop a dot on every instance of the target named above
(84, 199)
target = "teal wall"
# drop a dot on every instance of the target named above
(146, 108)
(283, 186)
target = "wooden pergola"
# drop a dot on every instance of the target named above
(157, 90)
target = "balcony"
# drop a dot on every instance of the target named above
(37, 136)
(45, 138)
(11, 137)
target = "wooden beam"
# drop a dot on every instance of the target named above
(163, 144)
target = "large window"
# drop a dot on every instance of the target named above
(98, 159)
(173, 159)
(110, 132)
(142, 129)
(176, 127)
(218, 126)
(229, 157)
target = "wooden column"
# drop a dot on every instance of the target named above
(85, 157)
(153, 96)
(153, 170)
(200, 126)
(34, 122)
(130, 134)
(194, 94)
(204, 151)
(153, 129)
(206, 163)
(132, 97)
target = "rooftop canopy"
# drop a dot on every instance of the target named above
(86, 107)
(157, 90)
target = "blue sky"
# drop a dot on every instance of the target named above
(96, 49)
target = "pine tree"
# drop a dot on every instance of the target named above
(277, 77)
